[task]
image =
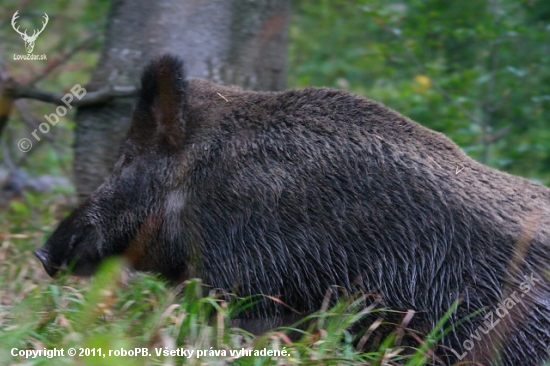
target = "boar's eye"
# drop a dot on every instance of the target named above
(128, 158)
(123, 161)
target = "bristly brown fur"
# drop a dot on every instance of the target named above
(289, 193)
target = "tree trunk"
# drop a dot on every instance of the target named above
(237, 42)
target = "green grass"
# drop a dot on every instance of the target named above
(122, 310)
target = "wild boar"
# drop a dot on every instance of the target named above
(289, 193)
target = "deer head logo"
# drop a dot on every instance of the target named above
(29, 40)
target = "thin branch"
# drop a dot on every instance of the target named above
(491, 138)
(18, 91)
(64, 58)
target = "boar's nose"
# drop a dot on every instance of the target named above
(42, 254)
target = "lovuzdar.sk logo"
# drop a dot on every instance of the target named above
(29, 40)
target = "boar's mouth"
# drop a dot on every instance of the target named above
(42, 254)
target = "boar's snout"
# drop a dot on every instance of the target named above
(73, 246)
(42, 254)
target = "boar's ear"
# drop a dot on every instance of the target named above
(161, 106)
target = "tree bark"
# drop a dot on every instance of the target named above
(232, 42)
